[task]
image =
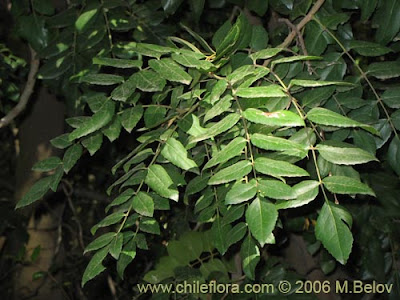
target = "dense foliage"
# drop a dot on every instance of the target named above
(240, 125)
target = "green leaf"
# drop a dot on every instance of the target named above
(71, 156)
(121, 199)
(56, 178)
(175, 152)
(153, 115)
(233, 149)
(242, 72)
(143, 204)
(384, 70)
(47, 164)
(288, 147)
(219, 233)
(368, 49)
(93, 142)
(218, 89)
(125, 90)
(85, 18)
(170, 70)
(236, 233)
(333, 231)
(343, 153)
(149, 225)
(160, 181)
(131, 116)
(367, 8)
(315, 38)
(222, 106)
(225, 124)
(233, 213)
(61, 142)
(33, 29)
(109, 220)
(113, 129)
(101, 118)
(36, 192)
(294, 58)
(260, 92)
(276, 189)
(100, 242)
(148, 81)
(117, 62)
(191, 61)
(278, 168)
(391, 97)
(305, 191)
(116, 246)
(260, 7)
(250, 255)
(234, 172)
(128, 254)
(241, 192)
(278, 118)
(393, 155)
(259, 37)
(315, 83)
(327, 117)
(95, 266)
(102, 79)
(265, 53)
(346, 185)
(387, 18)
(229, 41)
(261, 218)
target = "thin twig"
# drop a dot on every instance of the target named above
(300, 39)
(68, 192)
(26, 93)
(289, 39)
(302, 23)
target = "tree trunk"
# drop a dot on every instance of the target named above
(44, 122)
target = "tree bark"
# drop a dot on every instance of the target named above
(44, 122)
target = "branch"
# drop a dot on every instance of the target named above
(302, 23)
(26, 93)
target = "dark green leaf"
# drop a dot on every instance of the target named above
(102, 79)
(143, 204)
(175, 152)
(170, 70)
(47, 164)
(241, 192)
(71, 156)
(117, 62)
(260, 92)
(346, 185)
(101, 118)
(261, 218)
(225, 124)
(36, 192)
(234, 172)
(333, 231)
(131, 116)
(250, 255)
(234, 148)
(160, 181)
(95, 266)
(277, 118)
(343, 153)
(276, 189)
(327, 117)
(278, 168)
